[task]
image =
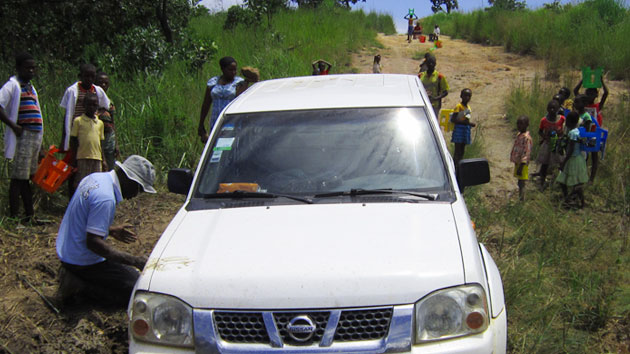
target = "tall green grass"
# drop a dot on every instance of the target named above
(590, 33)
(565, 273)
(157, 114)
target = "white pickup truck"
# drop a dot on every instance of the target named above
(325, 216)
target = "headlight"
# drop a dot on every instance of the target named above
(451, 313)
(161, 319)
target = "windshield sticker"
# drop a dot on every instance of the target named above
(216, 156)
(223, 144)
(227, 127)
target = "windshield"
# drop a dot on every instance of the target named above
(318, 151)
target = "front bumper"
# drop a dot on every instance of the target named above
(398, 340)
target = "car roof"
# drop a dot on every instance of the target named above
(330, 91)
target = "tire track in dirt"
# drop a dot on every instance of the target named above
(488, 71)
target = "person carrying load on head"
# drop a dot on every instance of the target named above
(410, 17)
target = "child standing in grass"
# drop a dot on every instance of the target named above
(461, 132)
(595, 110)
(20, 111)
(550, 129)
(520, 155)
(573, 168)
(86, 140)
(72, 100)
(110, 145)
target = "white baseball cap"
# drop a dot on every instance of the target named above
(140, 170)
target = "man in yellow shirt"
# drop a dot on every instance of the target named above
(435, 83)
(86, 139)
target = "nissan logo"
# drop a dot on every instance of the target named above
(301, 328)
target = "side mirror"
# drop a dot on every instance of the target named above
(472, 172)
(179, 180)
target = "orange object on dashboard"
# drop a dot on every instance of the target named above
(233, 187)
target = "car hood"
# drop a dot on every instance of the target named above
(309, 256)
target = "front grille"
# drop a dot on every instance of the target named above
(241, 327)
(320, 319)
(356, 325)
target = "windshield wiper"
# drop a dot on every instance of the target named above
(246, 194)
(360, 191)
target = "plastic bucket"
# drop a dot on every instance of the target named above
(423, 39)
(438, 44)
(51, 172)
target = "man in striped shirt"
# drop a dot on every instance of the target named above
(20, 111)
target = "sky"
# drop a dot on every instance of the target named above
(397, 8)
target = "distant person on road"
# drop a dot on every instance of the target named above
(81, 241)
(321, 67)
(436, 33)
(106, 115)
(220, 90)
(20, 111)
(410, 17)
(376, 67)
(434, 83)
(461, 131)
(86, 141)
(551, 128)
(521, 153)
(573, 172)
(417, 30)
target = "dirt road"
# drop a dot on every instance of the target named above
(27, 325)
(488, 71)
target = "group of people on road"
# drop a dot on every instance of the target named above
(560, 140)
(88, 138)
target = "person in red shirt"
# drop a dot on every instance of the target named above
(321, 67)
(550, 129)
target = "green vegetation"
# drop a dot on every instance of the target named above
(591, 33)
(158, 110)
(565, 273)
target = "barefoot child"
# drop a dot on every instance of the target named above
(550, 129)
(520, 155)
(86, 140)
(461, 132)
(573, 169)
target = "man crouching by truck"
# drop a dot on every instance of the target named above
(86, 259)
